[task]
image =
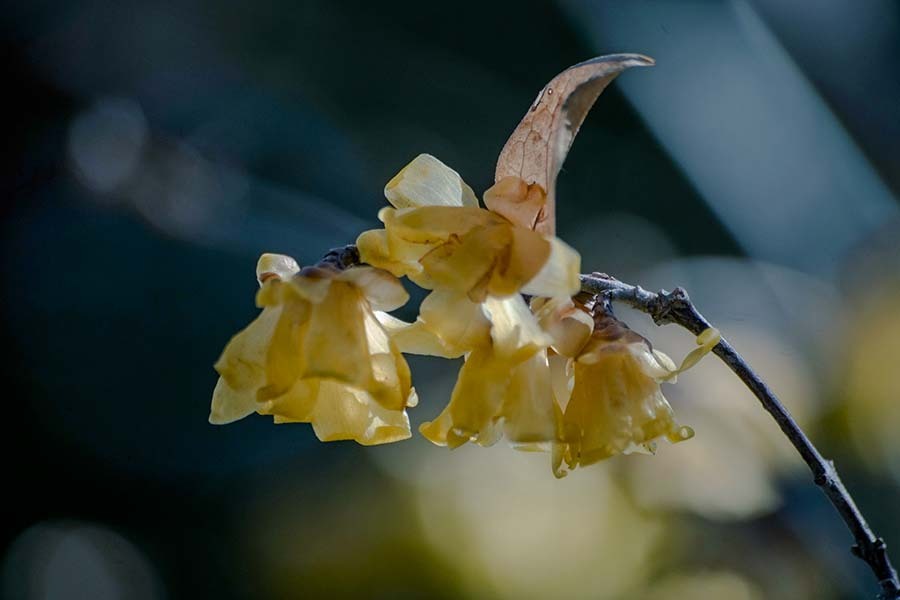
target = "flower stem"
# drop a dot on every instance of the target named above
(676, 307)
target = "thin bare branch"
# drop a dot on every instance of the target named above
(676, 307)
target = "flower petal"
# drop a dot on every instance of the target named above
(334, 345)
(345, 414)
(278, 266)
(523, 259)
(474, 405)
(229, 405)
(569, 326)
(462, 262)
(515, 332)
(560, 274)
(374, 250)
(517, 201)
(528, 409)
(383, 290)
(426, 181)
(242, 364)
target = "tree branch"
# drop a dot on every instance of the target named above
(676, 307)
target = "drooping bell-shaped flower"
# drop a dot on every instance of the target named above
(317, 354)
(504, 388)
(610, 398)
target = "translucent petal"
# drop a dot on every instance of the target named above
(515, 332)
(561, 379)
(283, 358)
(242, 364)
(707, 340)
(275, 265)
(312, 288)
(345, 414)
(474, 405)
(528, 409)
(459, 322)
(381, 289)
(374, 250)
(426, 181)
(229, 405)
(297, 405)
(526, 255)
(390, 385)
(462, 262)
(334, 345)
(616, 407)
(517, 201)
(569, 326)
(416, 338)
(435, 224)
(559, 275)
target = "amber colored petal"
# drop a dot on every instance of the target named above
(283, 357)
(616, 408)
(459, 322)
(528, 409)
(525, 257)
(334, 345)
(474, 405)
(706, 341)
(278, 266)
(416, 338)
(435, 224)
(342, 413)
(391, 381)
(383, 290)
(515, 332)
(426, 181)
(569, 326)
(297, 405)
(242, 364)
(516, 201)
(559, 275)
(374, 250)
(229, 405)
(561, 378)
(463, 261)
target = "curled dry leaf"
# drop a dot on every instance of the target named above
(537, 148)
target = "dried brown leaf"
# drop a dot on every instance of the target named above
(537, 148)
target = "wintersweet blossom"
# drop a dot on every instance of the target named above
(477, 262)
(504, 386)
(436, 234)
(610, 397)
(317, 354)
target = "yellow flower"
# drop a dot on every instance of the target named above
(504, 386)
(438, 236)
(504, 389)
(318, 354)
(610, 397)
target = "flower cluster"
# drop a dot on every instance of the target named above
(557, 373)
(318, 354)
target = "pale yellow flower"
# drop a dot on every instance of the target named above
(318, 354)
(438, 236)
(504, 386)
(504, 389)
(477, 261)
(610, 397)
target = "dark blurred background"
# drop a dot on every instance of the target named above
(159, 148)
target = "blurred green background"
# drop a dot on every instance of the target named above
(158, 149)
